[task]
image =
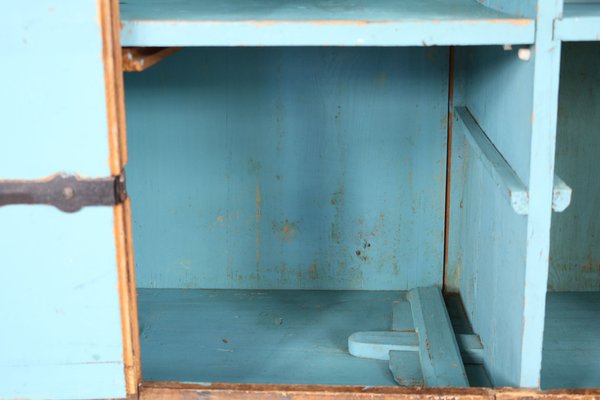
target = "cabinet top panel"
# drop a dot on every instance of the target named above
(318, 23)
(580, 22)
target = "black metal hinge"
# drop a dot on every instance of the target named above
(68, 193)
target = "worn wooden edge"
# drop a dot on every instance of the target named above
(117, 136)
(217, 391)
(128, 324)
(555, 394)
(137, 59)
(119, 84)
(131, 280)
(105, 12)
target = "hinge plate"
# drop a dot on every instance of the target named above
(68, 193)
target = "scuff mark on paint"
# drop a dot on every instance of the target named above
(313, 272)
(285, 230)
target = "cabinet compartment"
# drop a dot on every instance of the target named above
(277, 171)
(286, 198)
(571, 343)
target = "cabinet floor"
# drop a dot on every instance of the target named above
(263, 336)
(571, 357)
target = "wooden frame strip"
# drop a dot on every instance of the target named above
(234, 391)
(117, 136)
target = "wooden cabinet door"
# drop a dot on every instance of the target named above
(67, 302)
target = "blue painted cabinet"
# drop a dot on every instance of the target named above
(305, 179)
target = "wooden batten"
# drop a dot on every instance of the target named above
(137, 59)
(182, 391)
(115, 102)
(185, 391)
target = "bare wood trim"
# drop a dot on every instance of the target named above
(562, 394)
(117, 137)
(216, 391)
(129, 357)
(234, 391)
(133, 313)
(136, 59)
(108, 58)
(119, 85)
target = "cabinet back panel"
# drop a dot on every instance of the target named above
(575, 250)
(290, 168)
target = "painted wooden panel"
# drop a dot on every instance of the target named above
(320, 23)
(64, 117)
(487, 238)
(289, 168)
(498, 91)
(500, 260)
(515, 7)
(580, 22)
(62, 333)
(488, 255)
(249, 336)
(571, 341)
(575, 253)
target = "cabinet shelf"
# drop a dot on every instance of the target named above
(580, 22)
(319, 23)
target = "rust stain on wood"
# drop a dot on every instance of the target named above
(137, 59)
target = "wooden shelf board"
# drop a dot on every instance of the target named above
(319, 23)
(580, 23)
(265, 336)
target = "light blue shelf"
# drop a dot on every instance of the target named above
(319, 23)
(580, 22)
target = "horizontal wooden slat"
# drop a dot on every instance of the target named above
(216, 391)
(233, 391)
(318, 23)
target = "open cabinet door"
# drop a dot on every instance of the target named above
(67, 302)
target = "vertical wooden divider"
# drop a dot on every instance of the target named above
(117, 136)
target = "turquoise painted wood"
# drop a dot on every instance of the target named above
(289, 168)
(296, 167)
(41, 115)
(575, 253)
(406, 368)
(488, 239)
(320, 23)
(571, 342)
(249, 336)
(441, 363)
(498, 261)
(580, 22)
(62, 338)
(61, 333)
(265, 336)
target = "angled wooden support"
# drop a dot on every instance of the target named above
(421, 347)
(506, 179)
(136, 59)
(441, 363)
